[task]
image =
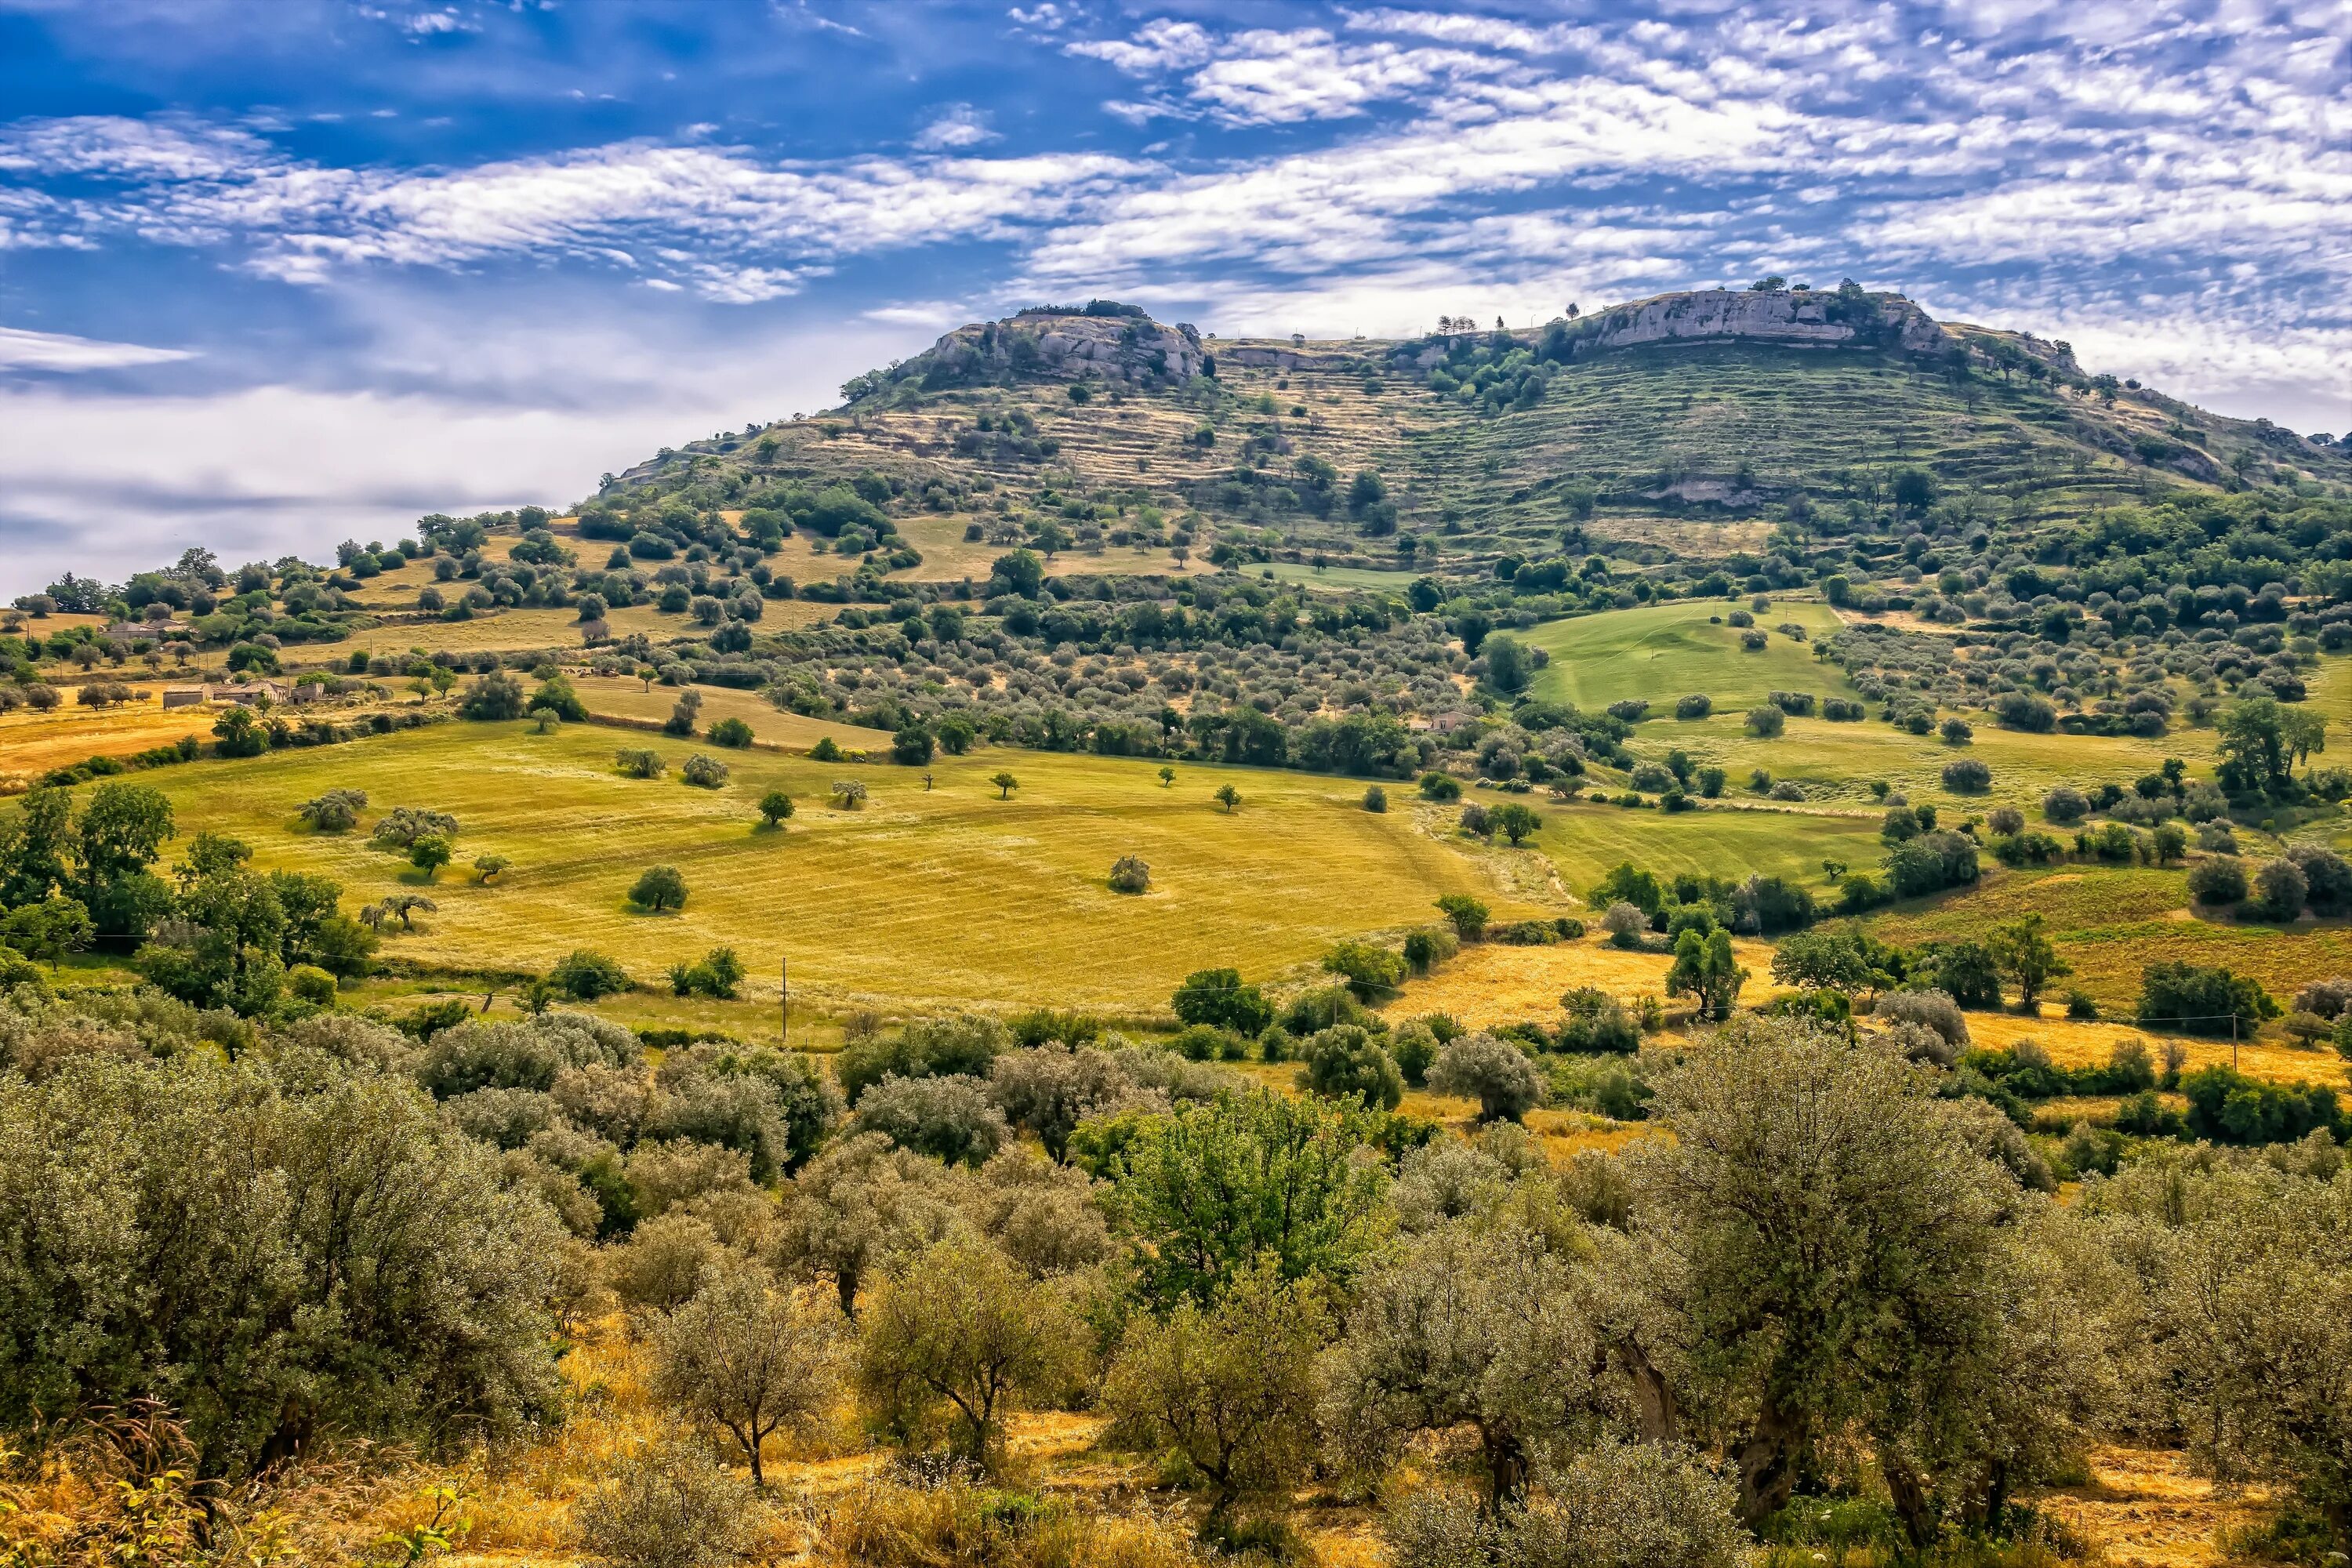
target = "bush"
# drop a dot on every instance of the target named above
(1620, 1505)
(1767, 723)
(1625, 924)
(928, 1047)
(1469, 914)
(2279, 891)
(1128, 874)
(1495, 1073)
(949, 1118)
(1371, 970)
(703, 772)
(2327, 877)
(2218, 879)
(2202, 1001)
(583, 976)
(731, 732)
(636, 763)
(1376, 799)
(669, 1505)
(310, 984)
(1218, 998)
(1345, 1062)
(1426, 950)
(1968, 776)
(2066, 806)
(1930, 1009)
(123, 1283)
(1697, 705)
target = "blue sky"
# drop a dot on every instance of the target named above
(271, 275)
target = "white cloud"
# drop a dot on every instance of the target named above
(21, 349)
(960, 125)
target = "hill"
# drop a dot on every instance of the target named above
(1745, 411)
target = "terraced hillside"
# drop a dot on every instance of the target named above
(1483, 440)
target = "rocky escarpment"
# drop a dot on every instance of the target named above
(1847, 317)
(1099, 342)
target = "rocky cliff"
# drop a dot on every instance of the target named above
(1099, 343)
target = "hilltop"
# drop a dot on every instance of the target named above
(1689, 424)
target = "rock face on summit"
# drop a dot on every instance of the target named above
(1774, 317)
(1072, 346)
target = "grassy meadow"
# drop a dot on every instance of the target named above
(1662, 651)
(922, 900)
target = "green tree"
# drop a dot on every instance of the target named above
(1218, 999)
(1516, 821)
(748, 1358)
(1705, 969)
(913, 745)
(1167, 775)
(661, 888)
(1005, 785)
(2026, 957)
(1209, 1189)
(1232, 1389)
(1346, 1063)
(47, 932)
(1373, 972)
(380, 1276)
(1823, 960)
(1468, 915)
(429, 854)
(237, 733)
(960, 1329)
(1228, 797)
(34, 843)
(774, 807)
(1496, 1073)
(584, 976)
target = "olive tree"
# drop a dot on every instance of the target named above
(859, 1207)
(747, 1357)
(949, 1118)
(379, 1275)
(1847, 1260)
(1495, 1073)
(661, 888)
(1468, 1327)
(1231, 1390)
(960, 1332)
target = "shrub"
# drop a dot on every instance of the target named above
(636, 763)
(1495, 1073)
(826, 750)
(584, 976)
(1440, 788)
(1467, 914)
(731, 733)
(2006, 819)
(1697, 705)
(1371, 972)
(2202, 1001)
(1966, 776)
(1346, 1062)
(2327, 877)
(2279, 891)
(2065, 805)
(1929, 1009)
(2218, 879)
(703, 772)
(1218, 998)
(1376, 799)
(337, 811)
(928, 1047)
(1767, 723)
(1787, 789)
(1426, 950)
(949, 1118)
(1128, 874)
(1625, 924)
(669, 1505)
(1621, 1505)
(123, 1283)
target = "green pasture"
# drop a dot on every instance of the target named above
(1585, 839)
(921, 900)
(1664, 651)
(1370, 578)
(2111, 922)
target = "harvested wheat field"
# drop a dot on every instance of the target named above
(1491, 982)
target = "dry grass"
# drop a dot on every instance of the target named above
(32, 743)
(618, 697)
(2072, 1044)
(926, 899)
(1491, 983)
(2146, 1511)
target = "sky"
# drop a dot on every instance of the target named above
(276, 275)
